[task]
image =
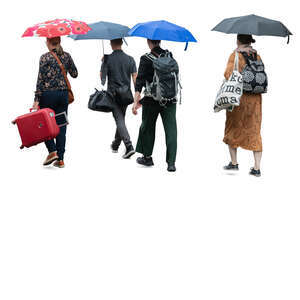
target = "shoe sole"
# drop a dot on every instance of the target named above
(49, 162)
(224, 168)
(151, 165)
(129, 154)
(256, 175)
(60, 167)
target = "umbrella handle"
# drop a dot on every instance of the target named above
(103, 47)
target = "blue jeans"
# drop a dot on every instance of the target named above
(58, 101)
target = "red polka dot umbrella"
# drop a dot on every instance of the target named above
(58, 27)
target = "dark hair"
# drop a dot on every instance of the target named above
(245, 39)
(155, 42)
(116, 42)
(55, 42)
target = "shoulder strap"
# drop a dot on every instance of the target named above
(168, 53)
(248, 56)
(151, 56)
(236, 62)
(62, 69)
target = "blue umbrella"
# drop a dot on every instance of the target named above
(162, 30)
(103, 31)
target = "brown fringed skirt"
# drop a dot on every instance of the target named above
(243, 124)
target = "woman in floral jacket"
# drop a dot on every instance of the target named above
(52, 92)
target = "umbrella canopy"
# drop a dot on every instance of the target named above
(253, 24)
(57, 27)
(162, 30)
(104, 31)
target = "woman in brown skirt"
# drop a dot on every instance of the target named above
(243, 124)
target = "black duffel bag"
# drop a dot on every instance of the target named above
(123, 95)
(101, 101)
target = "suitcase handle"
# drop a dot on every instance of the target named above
(62, 113)
(31, 109)
(66, 117)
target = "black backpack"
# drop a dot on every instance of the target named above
(165, 85)
(255, 80)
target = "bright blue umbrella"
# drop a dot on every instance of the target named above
(162, 30)
(103, 31)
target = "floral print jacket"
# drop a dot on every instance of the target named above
(50, 77)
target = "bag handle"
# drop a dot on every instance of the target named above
(62, 70)
(236, 61)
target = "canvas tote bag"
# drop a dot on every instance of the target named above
(231, 90)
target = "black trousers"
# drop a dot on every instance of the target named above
(122, 134)
(58, 101)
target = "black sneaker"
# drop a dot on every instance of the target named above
(129, 152)
(231, 167)
(171, 168)
(254, 172)
(114, 148)
(145, 161)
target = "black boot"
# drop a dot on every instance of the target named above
(129, 152)
(171, 168)
(145, 161)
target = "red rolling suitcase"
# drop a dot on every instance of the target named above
(37, 127)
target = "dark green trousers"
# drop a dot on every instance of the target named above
(146, 138)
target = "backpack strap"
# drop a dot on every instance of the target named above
(151, 56)
(166, 53)
(247, 57)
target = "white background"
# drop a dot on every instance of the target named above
(104, 228)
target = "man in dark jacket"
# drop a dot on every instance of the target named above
(151, 110)
(119, 69)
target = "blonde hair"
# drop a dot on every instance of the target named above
(55, 42)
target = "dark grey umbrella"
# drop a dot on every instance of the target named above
(253, 24)
(103, 31)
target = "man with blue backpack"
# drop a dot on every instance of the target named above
(158, 75)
